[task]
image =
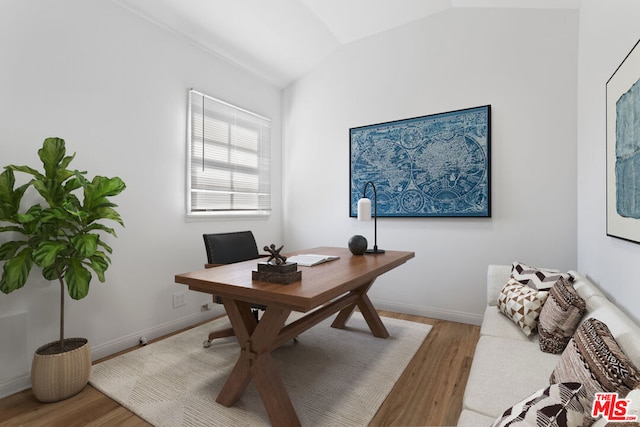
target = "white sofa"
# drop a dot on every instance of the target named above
(508, 366)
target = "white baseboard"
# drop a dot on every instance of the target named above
(133, 339)
(15, 385)
(436, 313)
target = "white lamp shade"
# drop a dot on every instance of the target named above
(364, 209)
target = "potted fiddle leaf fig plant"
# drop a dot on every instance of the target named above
(62, 234)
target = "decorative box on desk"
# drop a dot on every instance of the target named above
(285, 274)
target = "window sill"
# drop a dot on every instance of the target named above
(208, 216)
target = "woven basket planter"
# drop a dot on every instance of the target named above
(56, 377)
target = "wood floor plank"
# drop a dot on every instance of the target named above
(429, 392)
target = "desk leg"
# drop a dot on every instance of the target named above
(255, 362)
(368, 312)
(244, 324)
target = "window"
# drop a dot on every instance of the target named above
(228, 171)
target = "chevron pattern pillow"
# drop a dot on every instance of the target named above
(537, 278)
(522, 305)
(559, 405)
(560, 316)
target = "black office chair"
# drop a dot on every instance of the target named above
(227, 248)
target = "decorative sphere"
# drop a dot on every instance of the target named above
(357, 245)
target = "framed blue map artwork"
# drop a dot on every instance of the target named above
(623, 149)
(430, 166)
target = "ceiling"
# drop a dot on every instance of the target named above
(281, 40)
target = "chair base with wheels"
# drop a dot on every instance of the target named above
(228, 248)
(227, 332)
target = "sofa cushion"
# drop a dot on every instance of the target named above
(473, 419)
(558, 405)
(497, 276)
(503, 372)
(537, 278)
(522, 304)
(596, 303)
(496, 324)
(584, 287)
(560, 316)
(594, 359)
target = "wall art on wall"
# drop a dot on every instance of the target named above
(623, 149)
(429, 166)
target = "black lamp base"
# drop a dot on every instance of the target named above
(374, 251)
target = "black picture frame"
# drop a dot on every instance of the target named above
(436, 165)
(623, 149)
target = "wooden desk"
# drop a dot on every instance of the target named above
(339, 285)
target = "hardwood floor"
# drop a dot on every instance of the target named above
(429, 392)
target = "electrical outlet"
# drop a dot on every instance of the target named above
(178, 299)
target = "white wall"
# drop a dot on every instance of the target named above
(523, 63)
(608, 31)
(114, 86)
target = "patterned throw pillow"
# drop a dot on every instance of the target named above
(537, 278)
(594, 359)
(559, 405)
(522, 305)
(560, 316)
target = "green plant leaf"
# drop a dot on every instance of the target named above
(77, 278)
(51, 190)
(95, 194)
(26, 218)
(6, 212)
(50, 273)
(10, 197)
(72, 203)
(47, 251)
(106, 247)
(51, 154)
(102, 227)
(105, 213)
(9, 249)
(35, 213)
(27, 169)
(99, 263)
(18, 193)
(63, 175)
(13, 228)
(43, 189)
(16, 271)
(85, 244)
(53, 214)
(7, 182)
(72, 184)
(65, 162)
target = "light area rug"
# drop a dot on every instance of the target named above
(334, 377)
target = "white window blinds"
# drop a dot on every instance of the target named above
(229, 159)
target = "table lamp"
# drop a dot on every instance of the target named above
(364, 214)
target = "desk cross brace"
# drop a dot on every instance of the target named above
(258, 340)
